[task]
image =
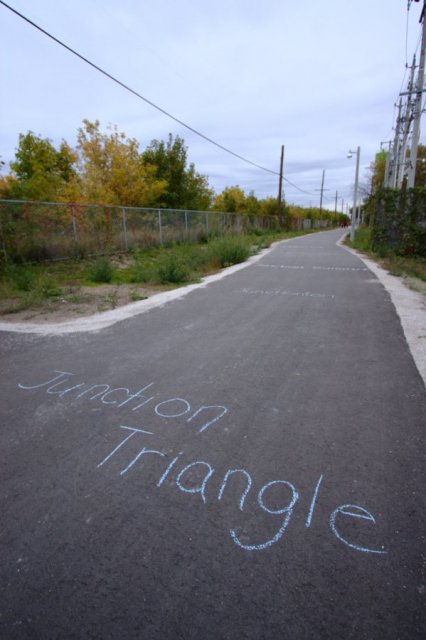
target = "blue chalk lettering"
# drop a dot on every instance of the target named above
(107, 393)
(140, 454)
(201, 488)
(134, 431)
(43, 384)
(245, 492)
(173, 415)
(354, 511)
(76, 386)
(224, 410)
(169, 468)
(95, 386)
(135, 395)
(138, 406)
(314, 499)
(288, 510)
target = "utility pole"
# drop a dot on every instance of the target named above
(418, 103)
(335, 202)
(322, 189)
(404, 167)
(395, 151)
(354, 206)
(280, 184)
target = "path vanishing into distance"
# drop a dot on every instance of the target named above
(244, 462)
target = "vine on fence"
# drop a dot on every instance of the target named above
(399, 221)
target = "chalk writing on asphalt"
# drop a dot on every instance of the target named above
(276, 499)
(202, 418)
(294, 266)
(279, 292)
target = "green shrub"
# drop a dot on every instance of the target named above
(171, 269)
(101, 270)
(229, 250)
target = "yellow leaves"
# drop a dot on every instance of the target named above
(112, 169)
(106, 167)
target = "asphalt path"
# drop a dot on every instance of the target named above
(246, 462)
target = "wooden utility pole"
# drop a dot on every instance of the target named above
(280, 184)
(395, 152)
(322, 190)
(404, 162)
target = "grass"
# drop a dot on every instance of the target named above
(23, 286)
(404, 266)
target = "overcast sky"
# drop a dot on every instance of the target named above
(318, 76)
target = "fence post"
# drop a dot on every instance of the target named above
(126, 241)
(186, 222)
(207, 222)
(160, 228)
(74, 225)
(3, 240)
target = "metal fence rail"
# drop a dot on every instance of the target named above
(35, 231)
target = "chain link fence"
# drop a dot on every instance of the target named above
(37, 231)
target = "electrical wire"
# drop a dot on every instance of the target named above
(138, 95)
(141, 97)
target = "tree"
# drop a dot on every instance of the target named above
(39, 171)
(230, 200)
(269, 206)
(106, 168)
(186, 189)
(198, 193)
(378, 167)
(377, 171)
(112, 171)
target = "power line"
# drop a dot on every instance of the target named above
(138, 95)
(141, 97)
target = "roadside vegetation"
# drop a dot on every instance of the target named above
(63, 201)
(394, 229)
(25, 286)
(410, 267)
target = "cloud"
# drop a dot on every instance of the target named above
(316, 77)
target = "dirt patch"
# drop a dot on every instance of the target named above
(77, 302)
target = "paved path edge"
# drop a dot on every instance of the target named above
(410, 307)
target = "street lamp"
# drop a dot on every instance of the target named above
(353, 216)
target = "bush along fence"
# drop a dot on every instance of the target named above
(38, 231)
(398, 221)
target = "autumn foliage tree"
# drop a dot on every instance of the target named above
(111, 170)
(106, 168)
(39, 171)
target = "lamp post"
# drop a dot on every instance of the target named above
(353, 216)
